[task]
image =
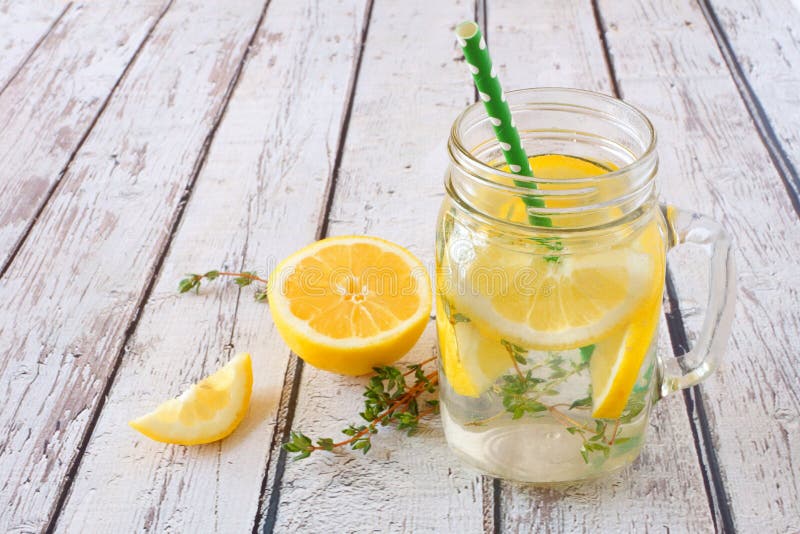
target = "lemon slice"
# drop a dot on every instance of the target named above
(616, 362)
(471, 361)
(208, 411)
(558, 167)
(548, 305)
(346, 304)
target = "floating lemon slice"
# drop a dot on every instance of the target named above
(615, 364)
(616, 361)
(556, 167)
(564, 301)
(557, 299)
(346, 304)
(208, 411)
(556, 305)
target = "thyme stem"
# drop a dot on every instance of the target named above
(420, 364)
(614, 432)
(433, 378)
(242, 279)
(248, 275)
(565, 419)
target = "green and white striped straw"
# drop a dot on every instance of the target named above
(494, 100)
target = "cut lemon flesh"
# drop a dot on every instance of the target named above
(558, 167)
(208, 411)
(572, 299)
(346, 304)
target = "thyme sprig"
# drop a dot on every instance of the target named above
(193, 281)
(388, 400)
(524, 393)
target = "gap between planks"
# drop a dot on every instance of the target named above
(751, 101)
(780, 160)
(693, 399)
(704, 449)
(181, 208)
(492, 511)
(717, 499)
(35, 47)
(719, 502)
(294, 372)
(490, 486)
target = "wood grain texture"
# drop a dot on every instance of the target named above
(48, 107)
(404, 484)
(390, 185)
(74, 287)
(713, 161)
(555, 44)
(558, 45)
(77, 298)
(258, 198)
(22, 27)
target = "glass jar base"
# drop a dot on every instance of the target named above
(539, 453)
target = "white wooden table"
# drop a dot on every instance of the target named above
(143, 140)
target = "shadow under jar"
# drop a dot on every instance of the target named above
(549, 289)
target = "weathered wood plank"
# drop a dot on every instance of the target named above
(557, 44)
(259, 197)
(74, 288)
(404, 484)
(22, 26)
(765, 42)
(54, 99)
(389, 184)
(713, 161)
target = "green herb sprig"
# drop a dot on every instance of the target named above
(388, 400)
(193, 281)
(524, 393)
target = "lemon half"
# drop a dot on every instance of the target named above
(346, 304)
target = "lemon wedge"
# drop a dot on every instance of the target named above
(471, 361)
(616, 362)
(208, 411)
(346, 304)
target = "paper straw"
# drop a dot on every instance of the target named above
(494, 101)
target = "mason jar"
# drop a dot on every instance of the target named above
(549, 289)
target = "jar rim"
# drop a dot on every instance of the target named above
(483, 169)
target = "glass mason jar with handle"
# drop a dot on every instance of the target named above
(549, 289)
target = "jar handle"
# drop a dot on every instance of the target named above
(696, 365)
